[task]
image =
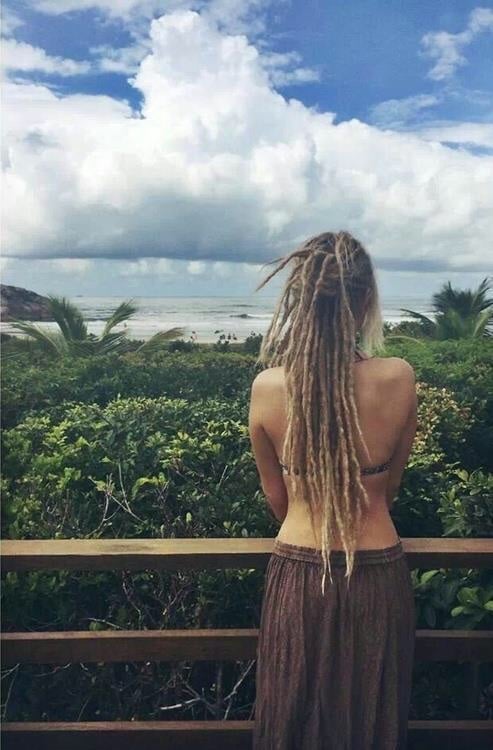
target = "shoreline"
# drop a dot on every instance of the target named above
(207, 336)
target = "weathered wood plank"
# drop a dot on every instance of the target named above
(128, 735)
(211, 735)
(210, 644)
(450, 735)
(128, 645)
(196, 554)
(454, 645)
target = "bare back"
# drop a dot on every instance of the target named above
(385, 397)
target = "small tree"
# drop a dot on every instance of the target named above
(73, 338)
(459, 314)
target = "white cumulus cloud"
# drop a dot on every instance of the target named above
(218, 166)
(393, 113)
(446, 49)
(465, 133)
(10, 21)
(237, 16)
(115, 8)
(20, 56)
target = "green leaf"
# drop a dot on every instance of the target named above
(139, 483)
(96, 626)
(428, 575)
(469, 596)
(457, 611)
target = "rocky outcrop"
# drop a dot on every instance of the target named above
(16, 302)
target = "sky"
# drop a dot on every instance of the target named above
(172, 147)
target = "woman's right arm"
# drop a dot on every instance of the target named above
(406, 437)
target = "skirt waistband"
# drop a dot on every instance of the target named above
(338, 557)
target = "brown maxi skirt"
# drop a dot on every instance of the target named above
(334, 672)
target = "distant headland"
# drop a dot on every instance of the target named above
(23, 304)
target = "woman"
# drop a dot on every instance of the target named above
(331, 430)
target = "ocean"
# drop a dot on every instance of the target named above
(208, 317)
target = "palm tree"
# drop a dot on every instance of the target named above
(459, 314)
(73, 337)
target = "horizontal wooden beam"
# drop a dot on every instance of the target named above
(113, 646)
(454, 645)
(450, 735)
(128, 645)
(197, 554)
(128, 735)
(211, 735)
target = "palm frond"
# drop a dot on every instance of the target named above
(68, 317)
(96, 345)
(427, 323)
(483, 324)
(51, 341)
(480, 300)
(453, 325)
(123, 312)
(464, 301)
(155, 343)
(448, 297)
(84, 348)
(404, 336)
(112, 342)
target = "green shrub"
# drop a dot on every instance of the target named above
(126, 447)
(180, 345)
(453, 599)
(466, 508)
(29, 388)
(252, 343)
(466, 369)
(442, 428)
(155, 467)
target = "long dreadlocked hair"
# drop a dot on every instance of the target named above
(313, 336)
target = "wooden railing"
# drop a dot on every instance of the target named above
(211, 644)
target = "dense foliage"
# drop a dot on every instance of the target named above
(118, 446)
(34, 386)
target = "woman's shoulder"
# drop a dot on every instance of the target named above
(397, 367)
(267, 375)
(392, 367)
(388, 371)
(393, 375)
(265, 379)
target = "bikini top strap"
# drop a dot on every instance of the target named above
(367, 471)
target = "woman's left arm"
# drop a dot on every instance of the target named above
(270, 472)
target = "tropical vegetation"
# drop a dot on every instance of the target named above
(74, 339)
(134, 443)
(458, 314)
(157, 446)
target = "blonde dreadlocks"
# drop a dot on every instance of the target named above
(313, 335)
